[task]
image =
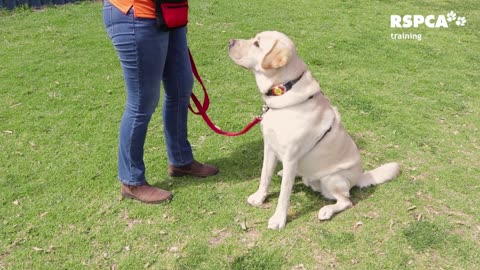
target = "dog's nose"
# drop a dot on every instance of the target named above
(231, 43)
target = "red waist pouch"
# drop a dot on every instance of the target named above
(171, 14)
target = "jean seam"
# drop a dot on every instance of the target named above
(177, 82)
(178, 125)
(134, 122)
(109, 29)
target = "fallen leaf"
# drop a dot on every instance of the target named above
(131, 223)
(357, 225)
(299, 267)
(391, 224)
(243, 224)
(411, 208)
(50, 249)
(219, 237)
(371, 214)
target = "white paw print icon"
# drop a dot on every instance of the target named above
(451, 16)
(461, 21)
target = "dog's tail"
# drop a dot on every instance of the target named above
(379, 175)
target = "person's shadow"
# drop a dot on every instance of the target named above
(243, 163)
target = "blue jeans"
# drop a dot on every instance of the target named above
(150, 57)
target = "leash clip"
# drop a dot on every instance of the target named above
(265, 109)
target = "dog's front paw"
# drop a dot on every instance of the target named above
(277, 222)
(325, 213)
(257, 198)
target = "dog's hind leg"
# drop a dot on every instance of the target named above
(335, 187)
(269, 163)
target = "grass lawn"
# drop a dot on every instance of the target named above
(416, 102)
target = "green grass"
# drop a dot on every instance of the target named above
(415, 102)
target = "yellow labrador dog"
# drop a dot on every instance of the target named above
(301, 129)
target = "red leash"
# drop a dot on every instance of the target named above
(202, 108)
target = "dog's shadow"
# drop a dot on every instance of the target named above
(245, 163)
(306, 201)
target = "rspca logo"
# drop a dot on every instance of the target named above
(430, 21)
(417, 21)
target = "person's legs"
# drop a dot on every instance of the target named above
(142, 52)
(178, 83)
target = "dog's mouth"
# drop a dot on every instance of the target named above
(231, 52)
(231, 43)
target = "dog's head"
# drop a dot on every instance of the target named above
(266, 51)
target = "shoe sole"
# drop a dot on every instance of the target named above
(181, 174)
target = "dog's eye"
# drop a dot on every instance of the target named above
(256, 44)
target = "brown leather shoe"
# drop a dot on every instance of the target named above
(196, 169)
(146, 193)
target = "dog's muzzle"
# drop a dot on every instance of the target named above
(231, 43)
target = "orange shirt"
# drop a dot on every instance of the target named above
(141, 8)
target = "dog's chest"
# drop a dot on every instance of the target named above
(285, 128)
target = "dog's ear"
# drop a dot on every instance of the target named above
(277, 57)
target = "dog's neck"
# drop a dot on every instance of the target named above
(266, 79)
(306, 87)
